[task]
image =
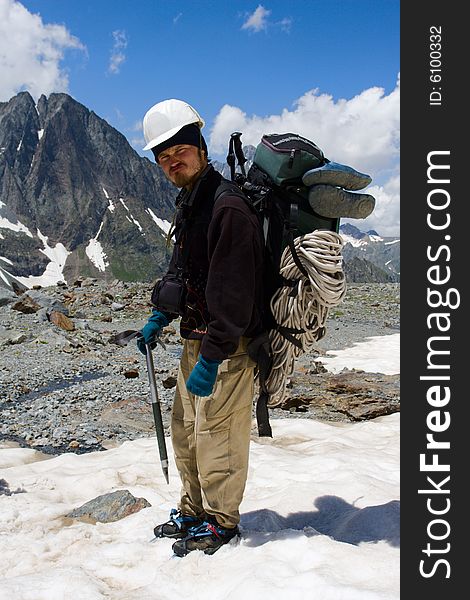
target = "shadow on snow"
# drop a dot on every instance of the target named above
(334, 517)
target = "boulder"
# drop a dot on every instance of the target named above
(109, 507)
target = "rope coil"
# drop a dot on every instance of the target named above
(304, 306)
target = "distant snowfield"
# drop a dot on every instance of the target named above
(320, 519)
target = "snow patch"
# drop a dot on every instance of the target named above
(164, 225)
(4, 278)
(6, 224)
(393, 242)
(6, 260)
(349, 239)
(95, 252)
(111, 205)
(54, 270)
(131, 219)
(137, 224)
(319, 519)
(377, 354)
(40, 133)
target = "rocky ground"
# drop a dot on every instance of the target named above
(65, 388)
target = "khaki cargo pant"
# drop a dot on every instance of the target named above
(211, 436)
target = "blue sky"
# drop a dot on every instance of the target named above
(318, 67)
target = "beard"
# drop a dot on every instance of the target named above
(189, 173)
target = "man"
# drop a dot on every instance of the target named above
(214, 283)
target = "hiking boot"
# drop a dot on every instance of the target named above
(178, 526)
(333, 202)
(208, 537)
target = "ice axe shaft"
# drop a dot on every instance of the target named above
(122, 339)
(157, 413)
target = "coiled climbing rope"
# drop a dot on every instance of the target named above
(303, 309)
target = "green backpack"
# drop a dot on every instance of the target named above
(286, 170)
(273, 187)
(285, 157)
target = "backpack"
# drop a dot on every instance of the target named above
(273, 187)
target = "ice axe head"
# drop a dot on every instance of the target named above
(123, 338)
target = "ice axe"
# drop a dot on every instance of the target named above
(122, 339)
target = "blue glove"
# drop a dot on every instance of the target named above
(151, 329)
(202, 378)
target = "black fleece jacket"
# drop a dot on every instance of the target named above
(221, 244)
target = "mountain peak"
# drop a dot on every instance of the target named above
(76, 198)
(351, 230)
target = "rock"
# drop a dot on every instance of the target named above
(353, 394)
(117, 306)
(6, 296)
(62, 321)
(131, 373)
(69, 297)
(5, 489)
(11, 336)
(109, 507)
(43, 300)
(133, 414)
(169, 382)
(26, 305)
(88, 281)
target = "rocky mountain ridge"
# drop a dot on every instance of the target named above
(370, 257)
(73, 192)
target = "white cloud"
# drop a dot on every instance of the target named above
(31, 52)
(137, 126)
(385, 218)
(117, 52)
(285, 24)
(258, 20)
(362, 132)
(177, 18)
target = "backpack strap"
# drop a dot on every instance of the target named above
(293, 226)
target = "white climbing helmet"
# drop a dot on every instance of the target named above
(165, 119)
